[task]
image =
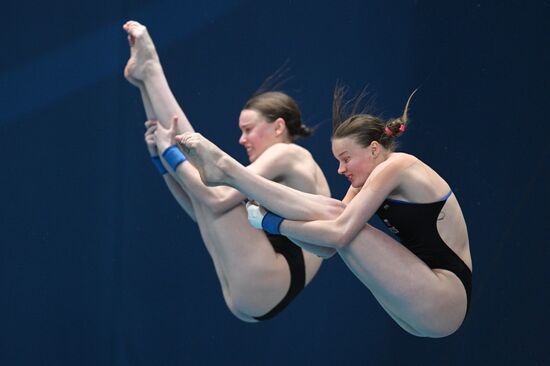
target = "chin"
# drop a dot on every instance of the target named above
(356, 184)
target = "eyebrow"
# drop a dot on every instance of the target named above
(343, 152)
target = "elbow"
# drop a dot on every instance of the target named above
(340, 242)
(326, 253)
(344, 237)
(341, 236)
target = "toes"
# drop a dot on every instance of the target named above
(133, 23)
(134, 28)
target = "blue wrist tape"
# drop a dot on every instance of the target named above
(173, 157)
(271, 223)
(158, 165)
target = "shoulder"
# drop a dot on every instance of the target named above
(286, 148)
(280, 160)
(291, 152)
(395, 163)
(389, 174)
(401, 160)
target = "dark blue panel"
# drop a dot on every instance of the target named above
(93, 267)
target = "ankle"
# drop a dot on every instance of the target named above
(152, 69)
(227, 166)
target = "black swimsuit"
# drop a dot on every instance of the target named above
(295, 258)
(416, 226)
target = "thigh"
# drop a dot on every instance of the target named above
(429, 301)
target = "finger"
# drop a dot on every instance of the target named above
(251, 203)
(150, 127)
(151, 130)
(160, 127)
(185, 137)
(179, 139)
(174, 123)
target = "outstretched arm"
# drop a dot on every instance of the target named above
(334, 230)
(338, 232)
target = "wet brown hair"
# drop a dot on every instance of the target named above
(363, 127)
(275, 104)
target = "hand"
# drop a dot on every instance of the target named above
(165, 137)
(151, 127)
(255, 214)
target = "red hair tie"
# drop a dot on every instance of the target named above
(390, 132)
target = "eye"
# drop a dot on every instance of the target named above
(346, 160)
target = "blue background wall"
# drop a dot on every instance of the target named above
(94, 269)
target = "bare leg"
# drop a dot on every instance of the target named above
(425, 302)
(217, 168)
(179, 194)
(254, 279)
(144, 67)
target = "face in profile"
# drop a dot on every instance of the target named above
(257, 134)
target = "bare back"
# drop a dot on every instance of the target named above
(421, 184)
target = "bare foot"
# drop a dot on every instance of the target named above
(206, 157)
(142, 52)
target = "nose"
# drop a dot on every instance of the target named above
(242, 139)
(341, 168)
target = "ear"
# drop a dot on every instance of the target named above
(280, 126)
(374, 148)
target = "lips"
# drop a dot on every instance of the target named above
(249, 152)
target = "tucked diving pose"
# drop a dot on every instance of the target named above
(423, 279)
(259, 273)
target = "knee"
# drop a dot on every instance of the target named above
(436, 326)
(237, 310)
(243, 301)
(435, 332)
